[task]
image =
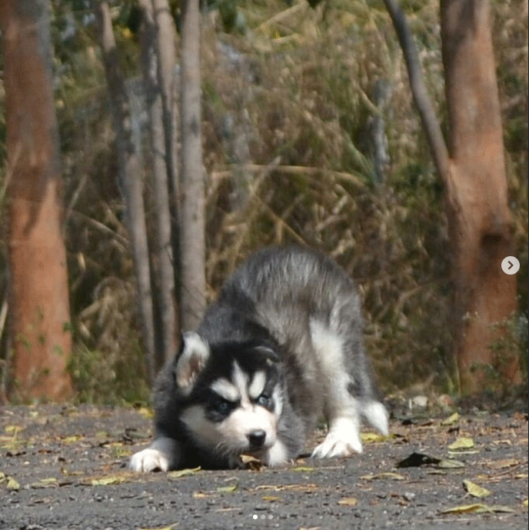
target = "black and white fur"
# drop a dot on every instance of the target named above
(280, 347)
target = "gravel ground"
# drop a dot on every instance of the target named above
(64, 467)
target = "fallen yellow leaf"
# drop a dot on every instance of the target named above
(348, 501)
(504, 463)
(450, 463)
(477, 508)
(390, 476)
(44, 483)
(461, 443)
(371, 437)
(465, 508)
(183, 472)
(170, 527)
(146, 412)
(251, 463)
(475, 490)
(108, 481)
(454, 418)
(249, 458)
(295, 487)
(303, 469)
(13, 428)
(69, 473)
(12, 484)
(72, 439)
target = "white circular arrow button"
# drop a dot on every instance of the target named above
(510, 265)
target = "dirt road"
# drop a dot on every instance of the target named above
(64, 468)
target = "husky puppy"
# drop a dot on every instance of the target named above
(280, 347)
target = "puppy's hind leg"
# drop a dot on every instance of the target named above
(342, 410)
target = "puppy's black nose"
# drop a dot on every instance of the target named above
(257, 439)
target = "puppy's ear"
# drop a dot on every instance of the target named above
(194, 353)
(268, 353)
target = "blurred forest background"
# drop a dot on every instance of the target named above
(310, 135)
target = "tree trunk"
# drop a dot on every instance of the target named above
(480, 221)
(473, 172)
(167, 78)
(40, 313)
(166, 49)
(130, 174)
(192, 205)
(164, 253)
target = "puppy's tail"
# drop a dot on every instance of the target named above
(377, 415)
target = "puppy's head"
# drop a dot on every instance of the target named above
(232, 395)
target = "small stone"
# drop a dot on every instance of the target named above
(420, 402)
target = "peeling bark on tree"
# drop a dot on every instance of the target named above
(192, 200)
(40, 314)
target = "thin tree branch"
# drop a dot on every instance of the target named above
(427, 114)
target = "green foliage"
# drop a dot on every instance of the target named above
(233, 20)
(108, 379)
(513, 342)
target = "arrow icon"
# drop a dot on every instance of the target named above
(510, 265)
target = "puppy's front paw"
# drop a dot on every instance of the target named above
(149, 460)
(333, 447)
(343, 439)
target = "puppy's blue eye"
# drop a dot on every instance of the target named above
(263, 400)
(223, 407)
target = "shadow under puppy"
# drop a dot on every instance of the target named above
(281, 347)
